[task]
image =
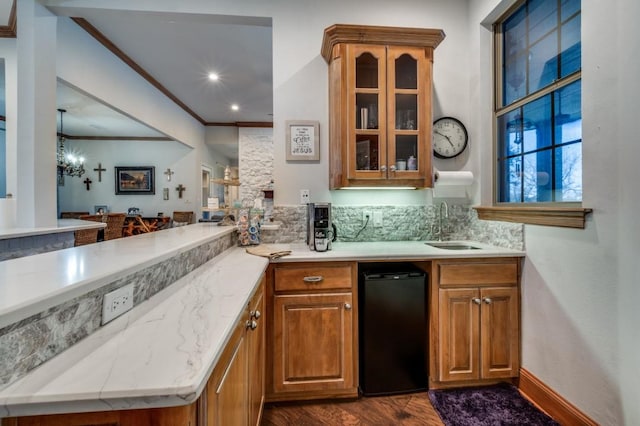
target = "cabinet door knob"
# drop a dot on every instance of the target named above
(476, 300)
(487, 300)
(255, 314)
(313, 279)
(252, 325)
(392, 168)
(347, 306)
(383, 168)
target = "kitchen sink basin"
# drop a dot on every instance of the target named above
(452, 245)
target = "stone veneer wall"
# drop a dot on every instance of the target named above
(13, 248)
(400, 223)
(256, 153)
(32, 341)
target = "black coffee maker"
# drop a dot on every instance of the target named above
(320, 231)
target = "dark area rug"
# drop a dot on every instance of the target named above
(498, 405)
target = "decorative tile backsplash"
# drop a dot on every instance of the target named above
(32, 341)
(13, 248)
(399, 223)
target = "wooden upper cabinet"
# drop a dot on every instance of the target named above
(380, 113)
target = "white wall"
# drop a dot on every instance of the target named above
(578, 291)
(73, 196)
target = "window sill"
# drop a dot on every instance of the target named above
(566, 217)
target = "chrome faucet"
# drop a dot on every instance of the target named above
(440, 217)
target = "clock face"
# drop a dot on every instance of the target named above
(449, 137)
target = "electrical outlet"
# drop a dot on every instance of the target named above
(366, 214)
(304, 196)
(117, 303)
(377, 219)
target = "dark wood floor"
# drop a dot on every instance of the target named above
(409, 409)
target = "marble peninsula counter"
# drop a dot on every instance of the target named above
(160, 353)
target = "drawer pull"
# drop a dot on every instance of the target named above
(252, 325)
(347, 306)
(313, 279)
(255, 314)
(487, 300)
(476, 300)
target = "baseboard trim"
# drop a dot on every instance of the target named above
(550, 402)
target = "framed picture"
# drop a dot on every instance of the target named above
(135, 180)
(100, 209)
(303, 140)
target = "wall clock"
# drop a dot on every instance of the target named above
(450, 137)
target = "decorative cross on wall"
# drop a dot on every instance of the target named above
(180, 188)
(100, 170)
(87, 182)
(168, 172)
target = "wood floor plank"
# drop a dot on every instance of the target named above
(413, 409)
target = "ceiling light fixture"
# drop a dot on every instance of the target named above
(69, 163)
(213, 76)
(235, 107)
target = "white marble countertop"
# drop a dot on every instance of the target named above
(159, 354)
(31, 284)
(391, 251)
(64, 225)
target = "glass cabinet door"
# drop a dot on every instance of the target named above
(368, 110)
(405, 100)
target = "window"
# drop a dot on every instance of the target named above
(538, 104)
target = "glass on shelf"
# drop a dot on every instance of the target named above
(407, 149)
(366, 111)
(406, 112)
(367, 152)
(366, 71)
(406, 72)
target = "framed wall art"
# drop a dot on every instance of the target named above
(303, 140)
(135, 180)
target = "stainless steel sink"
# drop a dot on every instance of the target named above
(452, 245)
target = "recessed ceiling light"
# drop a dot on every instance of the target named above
(235, 107)
(213, 76)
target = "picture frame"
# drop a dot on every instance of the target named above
(303, 140)
(137, 180)
(100, 209)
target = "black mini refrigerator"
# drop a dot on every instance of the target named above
(393, 329)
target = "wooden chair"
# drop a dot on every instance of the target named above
(93, 217)
(72, 215)
(115, 222)
(85, 236)
(182, 218)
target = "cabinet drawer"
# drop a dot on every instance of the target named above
(477, 274)
(314, 277)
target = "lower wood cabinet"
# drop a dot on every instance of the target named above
(475, 321)
(234, 394)
(313, 331)
(170, 416)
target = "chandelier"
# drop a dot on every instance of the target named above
(69, 162)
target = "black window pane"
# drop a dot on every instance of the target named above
(543, 62)
(568, 173)
(568, 114)
(510, 134)
(510, 190)
(571, 54)
(536, 179)
(515, 53)
(543, 18)
(536, 126)
(569, 8)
